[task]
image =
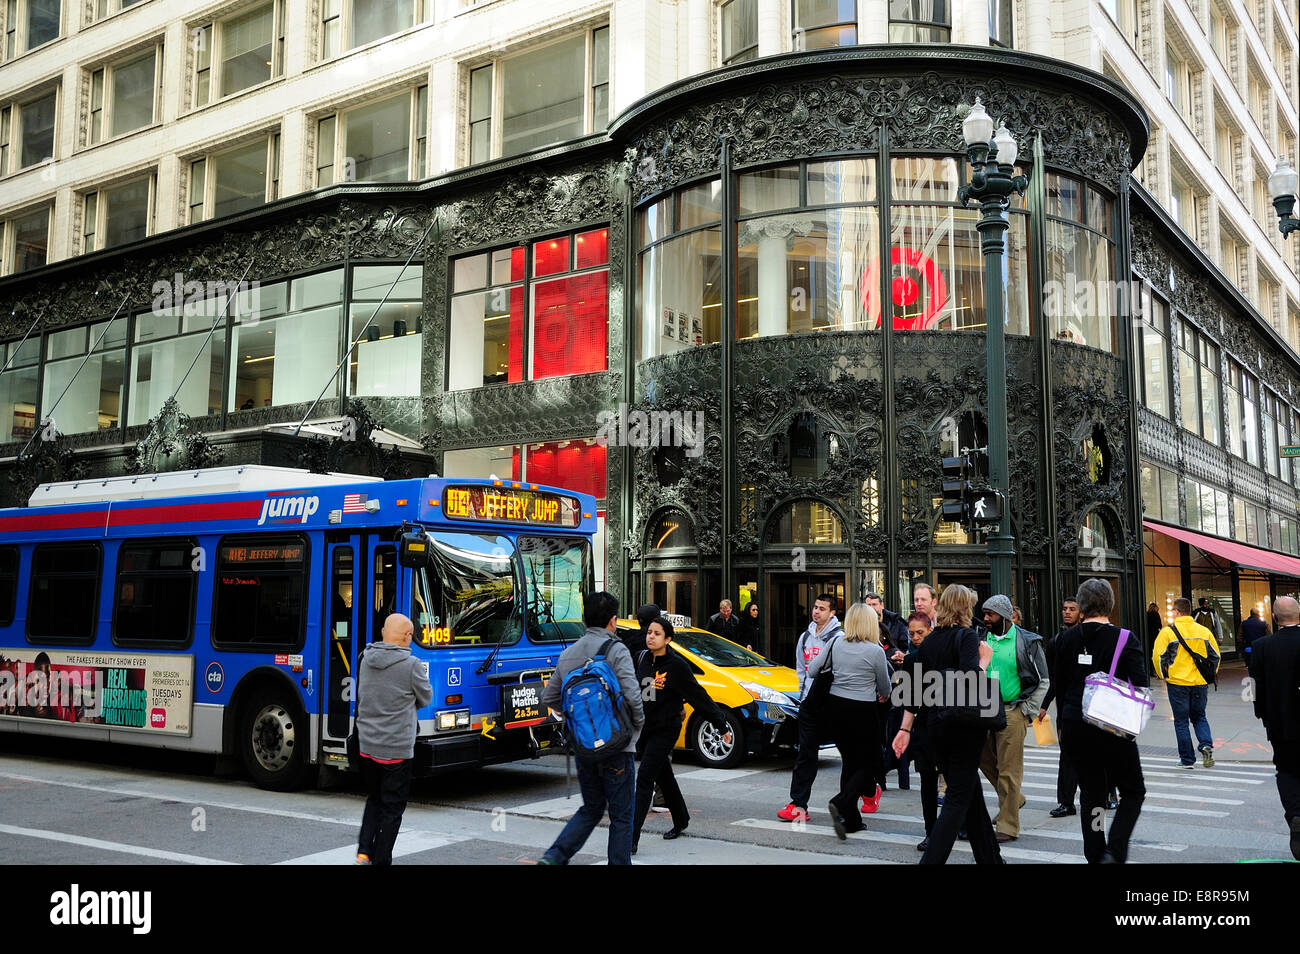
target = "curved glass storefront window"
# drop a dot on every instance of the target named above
(679, 271)
(672, 529)
(1080, 299)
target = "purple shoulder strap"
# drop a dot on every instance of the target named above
(1119, 648)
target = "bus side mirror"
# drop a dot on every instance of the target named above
(413, 552)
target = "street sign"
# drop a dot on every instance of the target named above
(1290, 450)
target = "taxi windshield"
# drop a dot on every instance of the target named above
(716, 650)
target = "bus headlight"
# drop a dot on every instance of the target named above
(455, 719)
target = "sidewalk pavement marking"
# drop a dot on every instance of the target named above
(1076, 836)
(117, 846)
(408, 843)
(888, 838)
(561, 807)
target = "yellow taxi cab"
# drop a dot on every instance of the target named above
(759, 698)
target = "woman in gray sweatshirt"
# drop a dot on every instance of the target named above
(860, 680)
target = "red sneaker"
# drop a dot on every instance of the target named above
(870, 805)
(792, 812)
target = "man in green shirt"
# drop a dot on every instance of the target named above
(1020, 667)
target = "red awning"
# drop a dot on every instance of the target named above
(1242, 554)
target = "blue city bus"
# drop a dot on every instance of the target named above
(222, 610)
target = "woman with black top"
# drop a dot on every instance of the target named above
(751, 634)
(1099, 756)
(666, 684)
(953, 645)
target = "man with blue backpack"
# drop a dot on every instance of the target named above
(594, 689)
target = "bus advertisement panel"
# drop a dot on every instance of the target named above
(116, 690)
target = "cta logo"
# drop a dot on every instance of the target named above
(288, 509)
(214, 677)
(158, 718)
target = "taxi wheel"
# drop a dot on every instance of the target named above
(273, 741)
(710, 749)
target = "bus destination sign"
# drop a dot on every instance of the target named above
(507, 505)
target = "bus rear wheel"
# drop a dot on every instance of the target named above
(273, 742)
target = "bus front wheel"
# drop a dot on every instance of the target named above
(273, 742)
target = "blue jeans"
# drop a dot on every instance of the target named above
(1188, 703)
(611, 782)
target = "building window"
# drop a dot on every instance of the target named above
(819, 24)
(27, 132)
(175, 353)
(1182, 208)
(1080, 255)
(104, 8)
(679, 270)
(117, 215)
(346, 24)
(1272, 426)
(1152, 350)
(564, 281)
(1002, 15)
(235, 180)
(576, 464)
(920, 21)
(372, 143)
(1241, 418)
(20, 361)
(1210, 398)
(739, 31)
(91, 398)
(239, 52)
(1160, 492)
(503, 463)
(387, 302)
(124, 95)
(29, 24)
(671, 530)
(1123, 13)
(1198, 379)
(1207, 508)
(1178, 82)
(544, 96)
(26, 241)
(284, 340)
(806, 521)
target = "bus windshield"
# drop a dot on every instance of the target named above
(557, 571)
(716, 650)
(470, 588)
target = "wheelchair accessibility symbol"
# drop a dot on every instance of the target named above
(453, 677)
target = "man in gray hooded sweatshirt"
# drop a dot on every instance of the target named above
(392, 686)
(825, 625)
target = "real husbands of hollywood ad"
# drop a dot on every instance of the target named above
(115, 690)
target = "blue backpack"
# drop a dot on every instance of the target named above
(592, 699)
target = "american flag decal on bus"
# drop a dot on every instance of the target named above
(355, 503)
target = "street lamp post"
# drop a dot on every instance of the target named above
(992, 159)
(1283, 185)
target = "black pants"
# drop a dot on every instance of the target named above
(893, 722)
(1286, 759)
(657, 767)
(957, 751)
(1100, 758)
(855, 727)
(918, 750)
(1067, 783)
(812, 732)
(387, 789)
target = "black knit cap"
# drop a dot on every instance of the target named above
(648, 614)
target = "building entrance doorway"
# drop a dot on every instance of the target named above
(672, 593)
(789, 608)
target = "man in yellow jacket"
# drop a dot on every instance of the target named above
(1188, 690)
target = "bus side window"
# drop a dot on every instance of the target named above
(63, 604)
(155, 592)
(385, 601)
(8, 584)
(258, 592)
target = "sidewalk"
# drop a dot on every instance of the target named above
(1238, 735)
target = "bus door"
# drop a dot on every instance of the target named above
(345, 599)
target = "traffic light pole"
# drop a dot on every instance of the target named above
(991, 185)
(1001, 543)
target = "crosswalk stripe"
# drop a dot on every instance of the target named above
(408, 843)
(1151, 778)
(1147, 807)
(122, 848)
(1034, 833)
(889, 838)
(1226, 775)
(717, 775)
(1236, 768)
(561, 807)
(1150, 795)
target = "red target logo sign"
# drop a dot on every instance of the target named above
(917, 291)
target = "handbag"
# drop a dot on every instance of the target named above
(1115, 705)
(1208, 670)
(963, 692)
(814, 701)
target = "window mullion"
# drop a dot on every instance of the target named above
(498, 105)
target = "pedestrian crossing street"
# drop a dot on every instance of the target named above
(1184, 813)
